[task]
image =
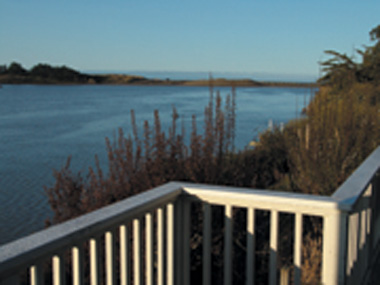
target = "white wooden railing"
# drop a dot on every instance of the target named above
(146, 239)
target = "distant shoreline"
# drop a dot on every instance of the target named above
(44, 74)
(121, 79)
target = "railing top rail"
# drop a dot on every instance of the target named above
(351, 190)
(262, 199)
(35, 246)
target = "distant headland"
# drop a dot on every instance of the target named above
(46, 74)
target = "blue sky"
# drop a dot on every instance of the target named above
(247, 36)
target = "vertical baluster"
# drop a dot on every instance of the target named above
(37, 274)
(160, 246)
(110, 258)
(368, 244)
(362, 237)
(149, 248)
(273, 247)
(136, 252)
(78, 274)
(228, 245)
(357, 265)
(297, 248)
(206, 244)
(95, 267)
(186, 242)
(170, 244)
(124, 260)
(352, 249)
(250, 258)
(59, 272)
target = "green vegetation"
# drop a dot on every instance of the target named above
(40, 74)
(311, 155)
(46, 74)
(342, 124)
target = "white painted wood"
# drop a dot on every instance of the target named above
(206, 255)
(149, 249)
(170, 244)
(250, 258)
(77, 265)
(59, 272)
(136, 252)
(37, 274)
(362, 241)
(334, 248)
(228, 245)
(263, 199)
(366, 239)
(17, 255)
(160, 247)
(274, 217)
(124, 256)
(110, 258)
(95, 271)
(352, 248)
(298, 248)
(352, 189)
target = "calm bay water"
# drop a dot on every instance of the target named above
(40, 126)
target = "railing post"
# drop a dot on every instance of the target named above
(334, 248)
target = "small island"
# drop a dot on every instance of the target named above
(46, 74)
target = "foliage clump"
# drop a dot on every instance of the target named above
(42, 74)
(342, 124)
(137, 164)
